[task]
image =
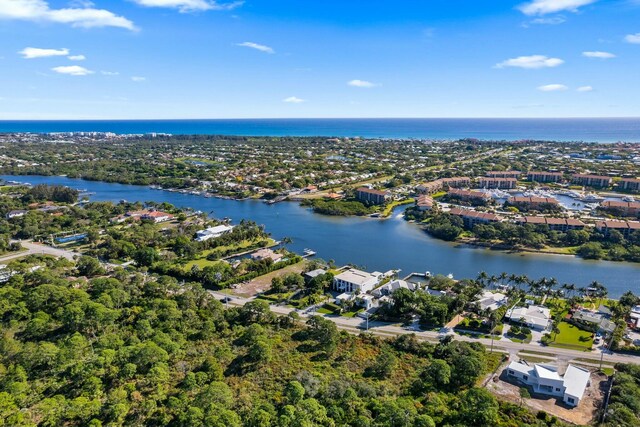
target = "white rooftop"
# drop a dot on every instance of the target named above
(534, 314)
(547, 372)
(356, 277)
(576, 380)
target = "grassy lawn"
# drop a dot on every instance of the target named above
(323, 310)
(202, 263)
(353, 312)
(520, 338)
(236, 247)
(568, 250)
(393, 205)
(571, 336)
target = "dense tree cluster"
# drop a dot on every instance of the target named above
(134, 349)
(590, 243)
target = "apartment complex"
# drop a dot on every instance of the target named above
(470, 195)
(504, 174)
(424, 202)
(444, 183)
(531, 202)
(626, 208)
(592, 180)
(368, 195)
(536, 176)
(471, 218)
(556, 224)
(629, 184)
(624, 227)
(499, 183)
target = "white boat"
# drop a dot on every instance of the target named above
(592, 198)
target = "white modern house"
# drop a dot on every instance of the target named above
(534, 316)
(354, 280)
(213, 232)
(491, 300)
(393, 286)
(544, 379)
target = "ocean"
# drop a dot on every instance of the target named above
(605, 130)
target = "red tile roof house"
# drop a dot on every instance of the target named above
(157, 216)
(424, 203)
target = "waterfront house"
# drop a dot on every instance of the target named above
(310, 275)
(369, 195)
(491, 300)
(629, 184)
(499, 183)
(16, 213)
(471, 218)
(624, 227)
(504, 174)
(544, 379)
(592, 180)
(353, 280)
(534, 316)
(213, 232)
(536, 176)
(266, 253)
(157, 216)
(592, 321)
(393, 286)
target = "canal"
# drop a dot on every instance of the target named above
(372, 243)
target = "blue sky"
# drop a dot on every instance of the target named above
(292, 58)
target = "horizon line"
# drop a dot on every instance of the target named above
(322, 118)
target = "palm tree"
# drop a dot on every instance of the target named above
(482, 277)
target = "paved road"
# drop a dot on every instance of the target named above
(357, 324)
(39, 249)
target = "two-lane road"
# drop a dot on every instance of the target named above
(357, 325)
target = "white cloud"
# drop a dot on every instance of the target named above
(585, 89)
(543, 7)
(77, 57)
(39, 11)
(598, 54)
(109, 73)
(35, 52)
(138, 79)
(362, 83)
(633, 38)
(72, 70)
(556, 20)
(190, 5)
(260, 47)
(531, 62)
(293, 100)
(552, 88)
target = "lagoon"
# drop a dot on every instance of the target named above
(373, 244)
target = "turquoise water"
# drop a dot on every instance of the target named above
(371, 243)
(591, 130)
